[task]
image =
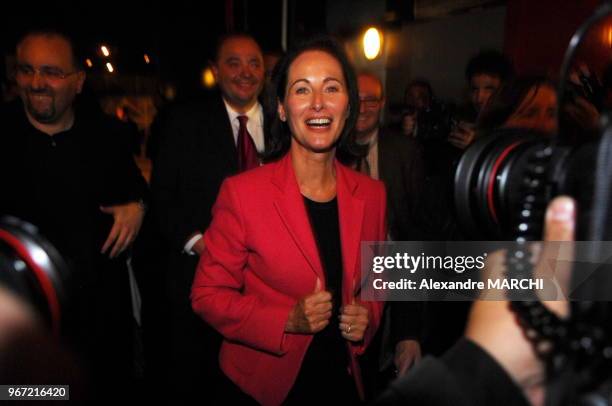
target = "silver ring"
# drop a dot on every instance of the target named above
(348, 329)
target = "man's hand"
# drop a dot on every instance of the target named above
(407, 354)
(128, 219)
(312, 313)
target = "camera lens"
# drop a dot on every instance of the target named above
(493, 178)
(32, 268)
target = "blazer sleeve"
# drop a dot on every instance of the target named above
(217, 292)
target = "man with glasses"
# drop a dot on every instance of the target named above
(397, 161)
(68, 170)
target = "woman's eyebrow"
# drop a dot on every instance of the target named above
(330, 79)
(299, 80)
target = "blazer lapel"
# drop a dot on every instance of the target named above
(292, 211)
(350, 210)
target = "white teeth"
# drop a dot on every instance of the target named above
(318, 121)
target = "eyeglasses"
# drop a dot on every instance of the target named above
(370, 103)
(46, 72)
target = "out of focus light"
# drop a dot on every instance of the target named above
(208, 79)
(88, 63)
(104, 50)
(146, 58)
(372, 41)
(110, 68)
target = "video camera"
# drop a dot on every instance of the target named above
(503, 184)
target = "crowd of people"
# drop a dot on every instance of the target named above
(246, 243)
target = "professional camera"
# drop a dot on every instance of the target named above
(503, 184)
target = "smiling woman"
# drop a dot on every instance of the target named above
(279, 277)
(316, 101)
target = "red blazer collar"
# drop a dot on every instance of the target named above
(290, 206)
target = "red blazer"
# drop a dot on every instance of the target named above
(261, 258)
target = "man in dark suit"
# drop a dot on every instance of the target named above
(396, 160)
(202, 143)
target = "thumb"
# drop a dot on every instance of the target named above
(318, 287)
(560, 219)
(107, 210)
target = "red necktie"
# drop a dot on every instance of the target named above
(247, 153)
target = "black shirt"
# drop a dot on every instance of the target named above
(58, 183)
(324, 369)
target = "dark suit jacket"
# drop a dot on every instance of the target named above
(401, 168)
(197, 153)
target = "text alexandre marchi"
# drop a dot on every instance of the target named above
(459, 264)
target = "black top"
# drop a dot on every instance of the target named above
(326, 230)
(324, 369)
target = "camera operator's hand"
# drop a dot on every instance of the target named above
(462, 136)
(494, 327)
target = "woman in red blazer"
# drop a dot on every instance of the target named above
(279, 277)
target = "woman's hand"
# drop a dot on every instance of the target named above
(312, 313)
(354, 320)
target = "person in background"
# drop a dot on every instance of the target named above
(68, 170)
(527, 102)
(201, 143)
(485, 73)
(397, 161)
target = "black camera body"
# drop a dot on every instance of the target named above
(503, 184)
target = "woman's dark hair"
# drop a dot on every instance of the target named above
(279, 139)
(507, 100)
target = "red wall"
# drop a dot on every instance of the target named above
(537, 32)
